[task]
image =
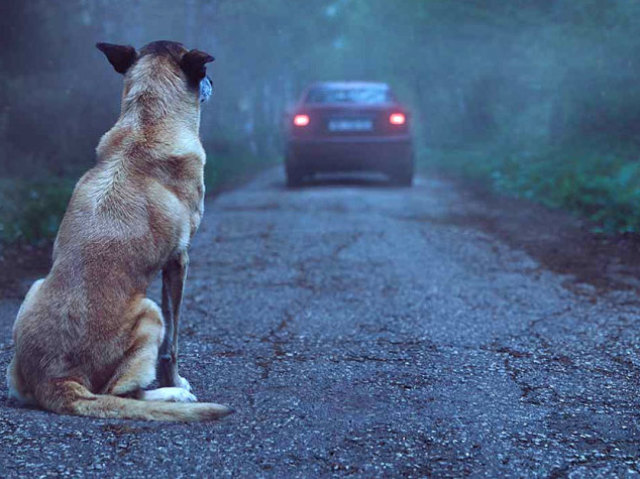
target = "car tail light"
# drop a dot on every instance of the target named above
(397, 119)
(301, 120)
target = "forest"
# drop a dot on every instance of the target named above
(533, 98)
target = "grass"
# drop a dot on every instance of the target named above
(222, 171)
(31, 211)
(600, 184)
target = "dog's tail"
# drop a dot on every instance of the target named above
(70, 397)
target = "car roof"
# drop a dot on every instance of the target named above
(345, 85)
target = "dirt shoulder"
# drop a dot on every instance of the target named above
(557, 240)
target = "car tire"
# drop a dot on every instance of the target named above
(403, 179)
(403, 176)
(294, 177)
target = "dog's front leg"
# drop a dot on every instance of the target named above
(174, 276)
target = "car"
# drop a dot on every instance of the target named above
(348, 127)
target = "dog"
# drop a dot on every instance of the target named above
(87, 340)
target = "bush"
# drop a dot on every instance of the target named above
(228, 168)
(603, 186)
(31, 211)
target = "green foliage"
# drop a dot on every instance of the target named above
(221, 171)
(32, 211)
(603, 186)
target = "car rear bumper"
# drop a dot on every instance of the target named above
(382, 154)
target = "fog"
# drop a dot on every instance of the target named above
(512, 93)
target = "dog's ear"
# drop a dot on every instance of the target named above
(120, 56)
(193, 64)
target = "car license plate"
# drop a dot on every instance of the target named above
(350, 125)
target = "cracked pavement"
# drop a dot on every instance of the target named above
(368, 331)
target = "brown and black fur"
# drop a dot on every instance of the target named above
(87, 340)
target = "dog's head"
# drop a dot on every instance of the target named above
(161, 62)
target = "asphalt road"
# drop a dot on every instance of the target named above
(362, 330)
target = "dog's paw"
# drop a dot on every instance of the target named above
(171, 394)
(184, 396)
(183, 383)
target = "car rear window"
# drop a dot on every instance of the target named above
(349, 95)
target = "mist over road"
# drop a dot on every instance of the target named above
(368, 331)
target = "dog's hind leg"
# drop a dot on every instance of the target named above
(138, 366)
(15, 383)
(16, 387)
(174, 276)
(28, 300)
